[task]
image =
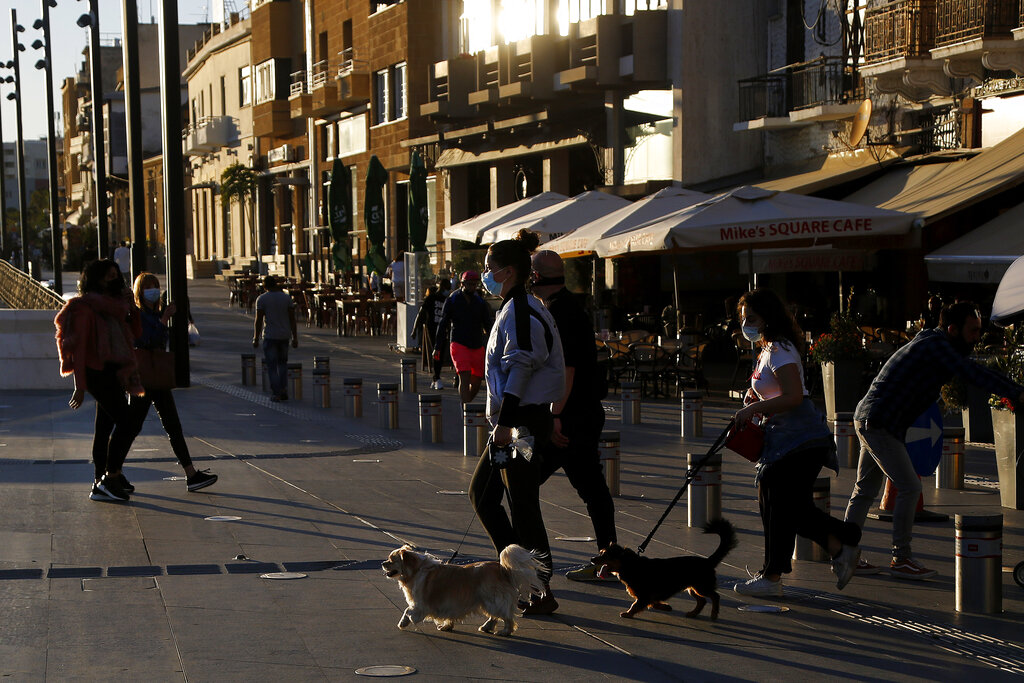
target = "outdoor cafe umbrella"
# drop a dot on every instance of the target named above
(339, 216)
(471, 229)
(373, 216)
(558, 219)
(1008, 306)
(580, 242)
(418, 213)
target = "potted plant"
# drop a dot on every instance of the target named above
(1008, 424)
(843, 359)
(953, 402)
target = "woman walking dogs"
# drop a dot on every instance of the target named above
(525, 373)
(797, 444)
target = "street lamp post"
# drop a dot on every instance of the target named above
(3, 178)
(19, 145)
(133, 119)
(92, 20)
(51, 144)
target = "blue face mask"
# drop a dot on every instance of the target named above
(751, 334)
(490, 284)
(151, 295)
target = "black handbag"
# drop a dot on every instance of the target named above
(156, 369)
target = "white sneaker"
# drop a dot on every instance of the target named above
(760, 587)
(440, 384)
(844, 564)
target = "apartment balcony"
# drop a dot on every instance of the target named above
(644, 59)
(595, 46)
(299, 99)
(528, 67)
(974, 35)
(208, 135)
(822, 89)
(353, 79)
(488, 78)
(271, 119)
(448, 86)
(324, 90)
(898, 38)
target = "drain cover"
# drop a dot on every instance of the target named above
(386, 670)
(770, 609)
(283, 576)
(223, 518)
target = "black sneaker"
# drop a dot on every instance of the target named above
(112, 487)
(200, 480)
(125, 484)
(97, 494)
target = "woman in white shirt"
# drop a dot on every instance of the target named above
(797, 445)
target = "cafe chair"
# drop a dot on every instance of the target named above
(651, 366)
(620, 361)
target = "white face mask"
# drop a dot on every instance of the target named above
(151, 295)
(751, 334)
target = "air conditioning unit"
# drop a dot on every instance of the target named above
(280, 154)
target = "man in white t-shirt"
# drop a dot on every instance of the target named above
(123, 259)
(396, 271)
(276, 309)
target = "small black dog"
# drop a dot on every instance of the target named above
(652, 581)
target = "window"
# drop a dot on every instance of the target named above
(245, 86)
(352, 135)
(223, 97)
(389, 94)
(264, 85)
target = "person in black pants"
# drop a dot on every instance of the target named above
(425, 326)
(578, 415)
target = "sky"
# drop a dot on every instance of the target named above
(68, 42)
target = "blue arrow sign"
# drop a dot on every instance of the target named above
(924, 441)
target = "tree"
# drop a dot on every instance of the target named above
(238, 183)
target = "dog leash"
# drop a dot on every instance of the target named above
(472, 519)
(691, 473)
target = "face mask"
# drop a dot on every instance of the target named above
(751, 334)
(490, 284)
(151, 295)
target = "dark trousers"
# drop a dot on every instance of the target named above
(114, 427)
(521, 480)
(785, 496)
(163, 401)
(275, 358)
(427, 345)
(581, 462)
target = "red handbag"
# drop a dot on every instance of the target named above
(746, 440)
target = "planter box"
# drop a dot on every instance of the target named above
(1008, 429)
(977, 416)
(843, 386)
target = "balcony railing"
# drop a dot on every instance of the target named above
(904, 28)
(318, 77)
(958, 21)
(763, 97)
(300, 85)
(822, 81)
(348, 63)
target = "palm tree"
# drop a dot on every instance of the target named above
(238, 183)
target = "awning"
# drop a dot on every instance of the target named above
(806, 260)
(963, 183)
(559, 219)
(896, 180)
(830, 171)
(471, 229)
(458, 157)
(983, 254)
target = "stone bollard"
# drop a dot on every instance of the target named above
(322, 363)
(352, 397)
(248, 369)
(704, 496)
(806, 549)
(950, 472)
(408, 375)
(979, 559)
(430, 418)
(475, 429)
(322, 387)
(608, 447)
(847, 443)
(692, 415)
(265, 375)
(630, 393)
(295, 380)
(387, 406)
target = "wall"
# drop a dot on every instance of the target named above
(28, 351)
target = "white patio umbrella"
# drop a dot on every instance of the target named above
(471, 229)
(1008, 306)
(559, 219)
(748, 217)
(580, 242)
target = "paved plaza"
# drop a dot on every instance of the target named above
(156, 590)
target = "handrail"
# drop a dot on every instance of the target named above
(18, 290)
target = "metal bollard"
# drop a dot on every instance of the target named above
(352, 401)
(692, 415)
(295, 380)
(704, 496)
(608, 447)
(806, 549)
(979, 559)
(387, 406)
(248, 368)
(630, 392)
(322, 387)
(430, 418)
(847, 443)
(408, 375)
(950, 472)
(474, 433)
(265, 375)
(322, 363)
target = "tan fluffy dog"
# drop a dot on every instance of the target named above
(446, 593)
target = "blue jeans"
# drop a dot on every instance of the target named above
(275, 358)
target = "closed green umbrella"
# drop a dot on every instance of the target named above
(339, 200)
(373, 215)
(418, 213)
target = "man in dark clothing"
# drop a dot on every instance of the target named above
(425, 326)
(470, 318)
(578, 415)
(907, 385)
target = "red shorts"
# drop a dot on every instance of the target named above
(466, 359)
